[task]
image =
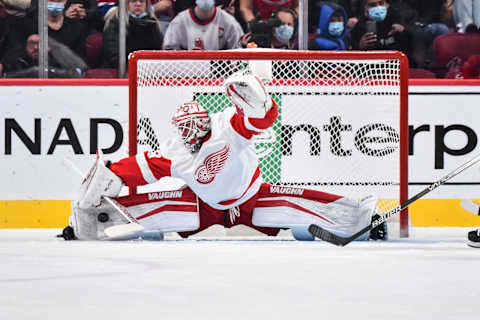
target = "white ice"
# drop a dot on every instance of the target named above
(434, 275)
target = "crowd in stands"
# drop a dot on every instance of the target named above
(440, 37)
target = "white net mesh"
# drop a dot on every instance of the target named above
(338, 128)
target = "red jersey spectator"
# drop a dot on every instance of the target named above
(250, 8)
(203, 27)
(471, 68)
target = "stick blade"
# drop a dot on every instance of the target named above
(123, 231)
(325, 235)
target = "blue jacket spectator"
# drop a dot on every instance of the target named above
(331, 30)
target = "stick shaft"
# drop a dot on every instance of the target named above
(428, 189)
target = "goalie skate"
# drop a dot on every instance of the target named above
(474, 238)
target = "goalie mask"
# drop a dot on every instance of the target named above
(193, 124)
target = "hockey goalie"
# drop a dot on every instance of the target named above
(214, 155)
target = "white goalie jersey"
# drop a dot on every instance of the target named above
(224, 173)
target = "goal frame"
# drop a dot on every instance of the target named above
(280, 55)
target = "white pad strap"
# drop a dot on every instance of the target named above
(99, 182)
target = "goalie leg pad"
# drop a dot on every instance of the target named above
(157, 212)
(99, 182)
(303, 207)
(90, 223)
(164, 211)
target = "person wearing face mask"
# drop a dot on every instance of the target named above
(331, 30)
(283, 35)
(86, 12)
(69, 32)
(143, 31)
(203, 27)
(380, 27)
(277, 32)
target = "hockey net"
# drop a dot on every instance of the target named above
(342, 125)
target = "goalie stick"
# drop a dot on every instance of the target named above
(118, 232)
(326, 235)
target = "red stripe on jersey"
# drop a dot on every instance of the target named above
(254, 178)
(129, 171)
(285, 203)
(239, 126)
(170, 207)
(238, 122)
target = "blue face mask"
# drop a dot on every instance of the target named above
(133, 15)
(335, 29)
(378, 13)
(205, 4)
(283, 33)
(55, 8)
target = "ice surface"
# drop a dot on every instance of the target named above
(432, 276)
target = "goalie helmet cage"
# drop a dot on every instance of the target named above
(343, 116)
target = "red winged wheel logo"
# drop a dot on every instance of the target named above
(212, 165)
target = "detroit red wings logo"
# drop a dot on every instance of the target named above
(212, 165)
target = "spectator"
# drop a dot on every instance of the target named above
(4, 30)
(264, 8)
(143, 31)
(203, 27)
(284, 34)
(466, 12)
(427, 20)
(70, 32)
(105, 7)
(163, 10)
(23, 62)
(278, 32)
(471, 68)
(85, 11)
(380, 28)
(352, 7)
(19, 21)
(331, 28)
(227, 5)
(181, 5)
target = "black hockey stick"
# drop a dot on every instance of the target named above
(326, 235)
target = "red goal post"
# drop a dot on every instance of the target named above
(343, 123)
